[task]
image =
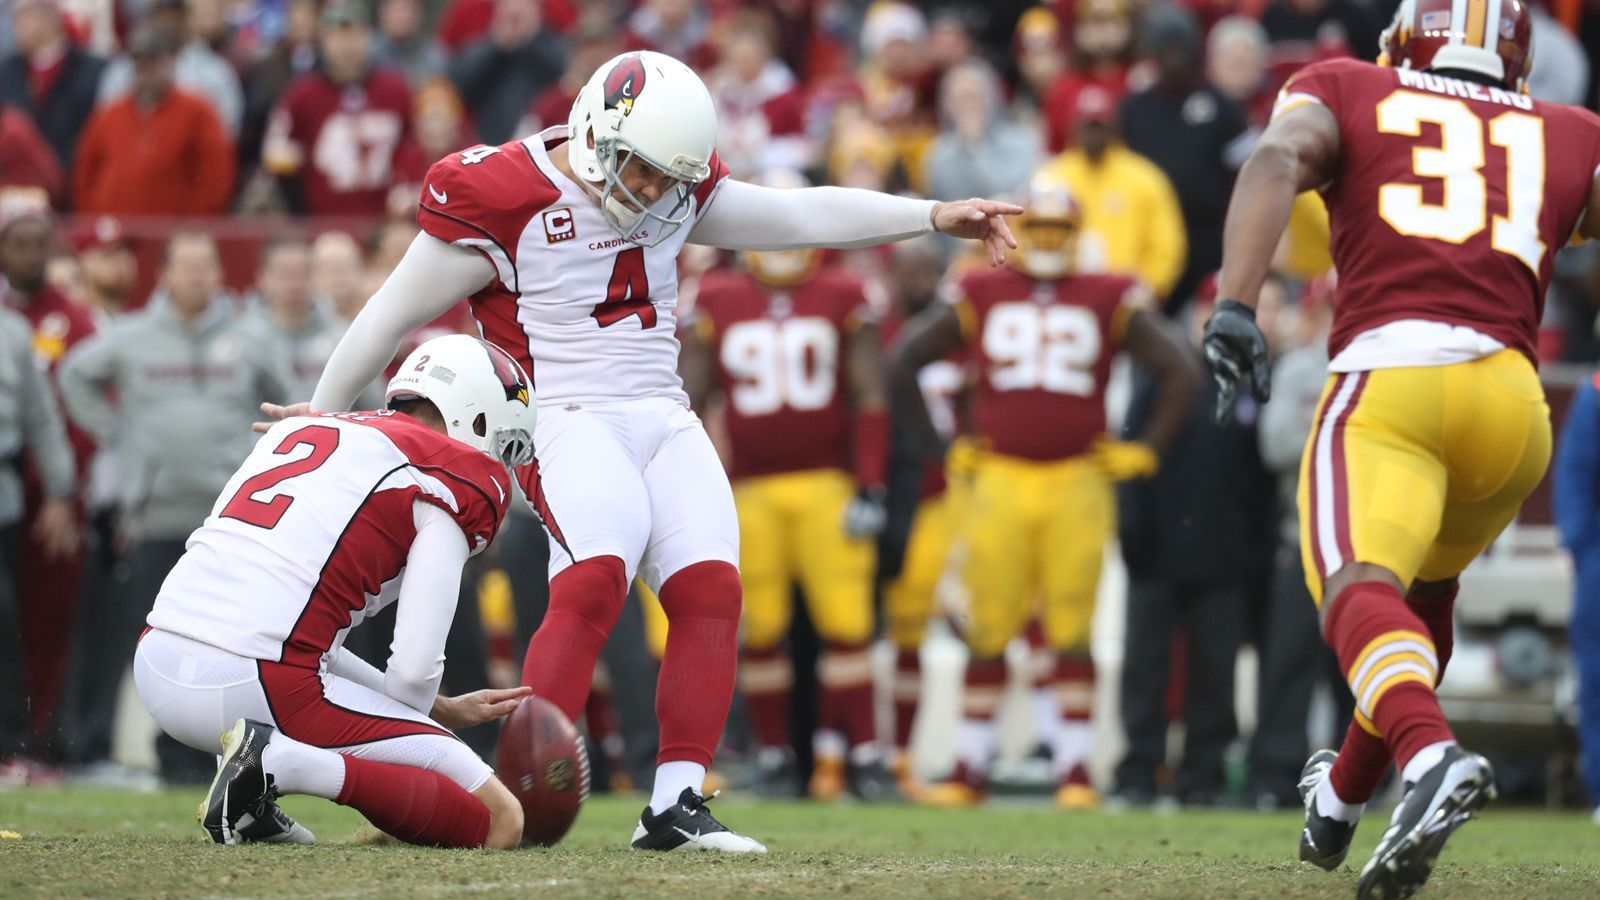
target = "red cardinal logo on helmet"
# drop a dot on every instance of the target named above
(510, 373)
(624, 82)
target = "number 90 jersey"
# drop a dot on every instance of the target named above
(590, 316)
(1450, 198)
(1043, 351)
(780, 362)
(314, 529)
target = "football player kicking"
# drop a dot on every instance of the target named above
(1040, 509)
(1449, 191)
(329, 520)
(567, 244)
(792, 344)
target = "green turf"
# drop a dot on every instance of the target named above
(117, 844)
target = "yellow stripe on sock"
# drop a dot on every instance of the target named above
(1379, 641)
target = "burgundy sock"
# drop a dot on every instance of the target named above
(415, 805)
(907, 692)
(766, 677)
(845, 675)
(1390, 662)
(697, 671)
(585, 601)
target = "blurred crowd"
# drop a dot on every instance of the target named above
(128, 126)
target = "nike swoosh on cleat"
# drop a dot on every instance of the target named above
(691, 838)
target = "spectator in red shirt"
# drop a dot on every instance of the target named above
(760, 110)
(336, 131)
(48, 78)
(157, 151)
(1103, 42)
(26, 160)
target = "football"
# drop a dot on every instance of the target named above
(542, 759)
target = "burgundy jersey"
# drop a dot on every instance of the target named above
(1450, 199)
(780, 356)
(1043, 352)
(942, 383)
(342, 141)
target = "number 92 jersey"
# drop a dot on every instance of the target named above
(1043, 351)
(1450, 198)
(780, 362)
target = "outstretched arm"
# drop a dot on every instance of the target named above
(432, 277)
(744, 216)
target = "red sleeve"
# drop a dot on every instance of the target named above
(483, 198)
(705, 191)
(482, 492)
(215, 159)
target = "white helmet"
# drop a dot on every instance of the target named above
(649, 105)
(479, 389)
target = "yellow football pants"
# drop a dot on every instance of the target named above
(791, 529)
(1035, 535)
(1417, 470)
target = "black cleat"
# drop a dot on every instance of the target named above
(688, 825)
(271, 825)
(1441, 801)
(871, 782)
(242, 789)
(1325, 841)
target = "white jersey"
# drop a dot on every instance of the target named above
(592, 317)
(311, 534)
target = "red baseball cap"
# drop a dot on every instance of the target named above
(100, 233)
(1095, 104)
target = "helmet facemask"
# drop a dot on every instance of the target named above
(624, 210)
(512, 446)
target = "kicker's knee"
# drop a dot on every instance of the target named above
(505, 816)
(593, 589)
(706, 590)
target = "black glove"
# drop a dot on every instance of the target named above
(867, 513)
(1236, 350)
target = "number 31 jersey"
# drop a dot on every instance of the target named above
(1043, 352)
(1449, 202)
(590, 316)
(312, 533)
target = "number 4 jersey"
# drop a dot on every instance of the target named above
(311, 535)
(1043, 352)
(1449, 202)
(590, 316)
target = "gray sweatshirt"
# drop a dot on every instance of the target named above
(185, 399)
(303, 352)
(29, 421)
(1297, 382)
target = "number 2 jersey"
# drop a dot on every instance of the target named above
(780, 362)
(1448, 205)
(1043, 352)
(589, 315)
(311, 534)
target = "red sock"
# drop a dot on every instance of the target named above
(1389, 659)
(1073, 682)
(844, 673)
(415, 805)
(907, 692)
(766, 678)
(1364, 758)
(697, 672)
(585, 601)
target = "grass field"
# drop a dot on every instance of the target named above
(115, 844)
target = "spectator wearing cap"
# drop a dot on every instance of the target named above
(899, 87)
(196, 68)
(26, 160)
(760, 110)
(978, 153)
(1131, 219)
(31, 427)
(335, 136)
(1192, 131)
(47, 581)
(499, 76)
(110, 268)
(678, 28)
(1102, 40)
(157, 151)
(403, 43)
(49, 78)
(174, 388)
